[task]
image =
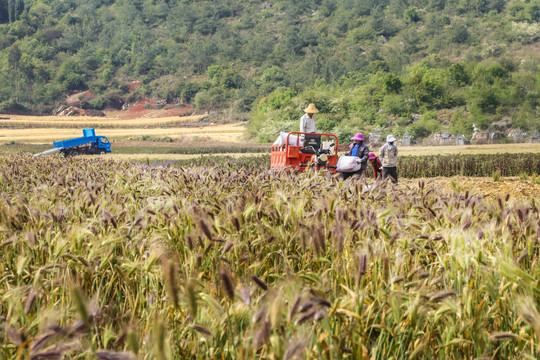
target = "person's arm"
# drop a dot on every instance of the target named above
(302, 124)
(365, 154)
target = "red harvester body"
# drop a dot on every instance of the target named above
(309, 150)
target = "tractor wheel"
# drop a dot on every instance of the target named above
(102, 152)
(74, 153)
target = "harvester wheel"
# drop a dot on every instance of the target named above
(102, 152)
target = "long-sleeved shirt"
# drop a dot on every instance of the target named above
(307, 124)
(362, 151)
(376, 167)
(389, 157)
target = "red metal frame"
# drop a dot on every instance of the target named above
(288, 156)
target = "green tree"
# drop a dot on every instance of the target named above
(458, 33)
(459, 75)
(71, 75)
(232, 79)
(425, 87)
(4, 11)
(392, 84)
(427, 125)
(14, 58)
(410, 16)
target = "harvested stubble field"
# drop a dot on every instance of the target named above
(227, 132)
(29, 122)
(470, 149)
(120, 260)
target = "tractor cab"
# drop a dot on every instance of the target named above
(104, 144)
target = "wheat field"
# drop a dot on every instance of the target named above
(115, 260)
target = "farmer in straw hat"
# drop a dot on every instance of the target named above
(307, 122)
(388, 154)
(360, 150)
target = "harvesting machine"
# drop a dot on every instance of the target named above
(301, 151)
(89, 143)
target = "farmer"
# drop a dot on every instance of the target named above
(389, 153)
(360, 150)
(377, 166)
(307, 122)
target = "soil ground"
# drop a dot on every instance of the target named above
(147, 109)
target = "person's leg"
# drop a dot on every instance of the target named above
(385, 173)
(394, 175)
(345, 176)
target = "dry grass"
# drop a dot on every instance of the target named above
(89, 121)
(469, 149)
(514, 187)
(228, 132)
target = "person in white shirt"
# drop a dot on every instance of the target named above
(307, 122)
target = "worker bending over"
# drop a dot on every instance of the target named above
(377, 166)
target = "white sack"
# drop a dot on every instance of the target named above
(348, 163)
(282, 139)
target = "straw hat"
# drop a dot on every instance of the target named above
(311, 109)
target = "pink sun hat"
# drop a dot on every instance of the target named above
(372, 156)
(358, 136)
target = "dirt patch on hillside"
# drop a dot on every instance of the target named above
(75, 99)
(487, 187)
(147, 108)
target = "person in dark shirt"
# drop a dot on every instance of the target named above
(360, 150)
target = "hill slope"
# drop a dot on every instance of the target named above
(367, 64)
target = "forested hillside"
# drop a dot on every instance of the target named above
(365, 63)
